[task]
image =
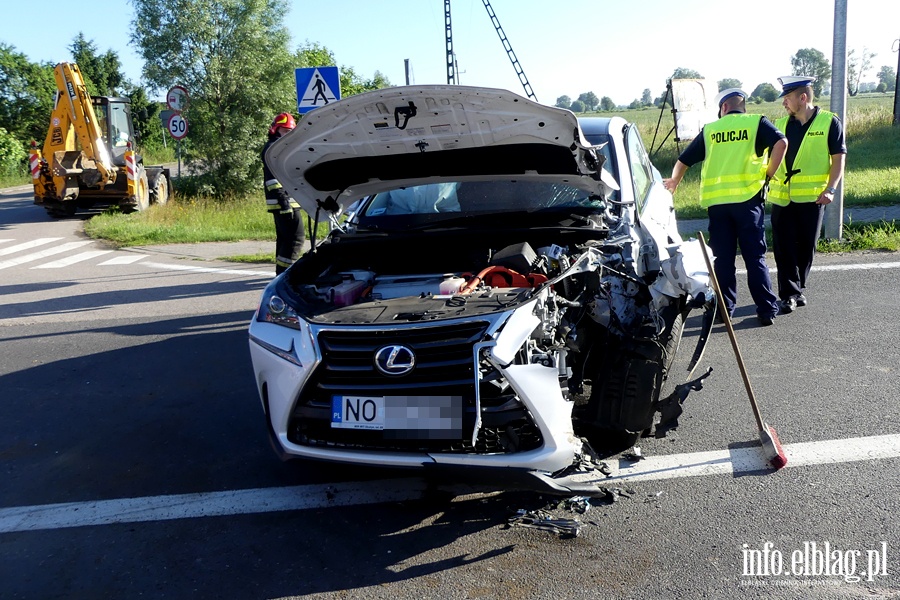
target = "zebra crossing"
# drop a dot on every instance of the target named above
(59, 253)
(38, 249)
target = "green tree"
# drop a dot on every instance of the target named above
(12, 154)
(647, 97)
(563, 102)
(312, 54)
(682, 73)
(27, 91)
(812, 63)
(589, 100)
(635, 104)
(765, 91)
(102, 72)
(727, 84)
(888, 76)
(607, 104)
(881, 87)
(233, 58)
(577, 106)
(857, 66)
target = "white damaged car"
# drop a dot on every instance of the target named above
(503, 286)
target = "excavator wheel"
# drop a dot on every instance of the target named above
(141, 198)
(160, 192)
(143, 192)
(64, 210)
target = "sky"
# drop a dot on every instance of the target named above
(614, 48)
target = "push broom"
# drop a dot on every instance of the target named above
(767, 436)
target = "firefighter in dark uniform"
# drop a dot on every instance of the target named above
(803, 186)
(740, 154)
(289, 235)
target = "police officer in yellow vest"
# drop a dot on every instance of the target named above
(289, 235)
(805, 183)
(740, 154)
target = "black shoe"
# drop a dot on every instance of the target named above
(787, 306)
(800, 299)
(767, 320)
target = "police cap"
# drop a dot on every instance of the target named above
(729, 93)
(789, 83)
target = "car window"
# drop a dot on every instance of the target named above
(641, 169)
(474, 197)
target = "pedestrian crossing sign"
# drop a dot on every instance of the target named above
(317, 86)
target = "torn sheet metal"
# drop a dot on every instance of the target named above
(543, 520)
(669, 408)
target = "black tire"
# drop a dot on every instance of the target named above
(672, 334)
(159, 194)
(65, 210)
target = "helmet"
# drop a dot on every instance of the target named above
(282, 120)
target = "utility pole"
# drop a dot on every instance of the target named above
(896, 83)
(834, 214)
(452, 79)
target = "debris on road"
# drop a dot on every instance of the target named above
(542, 519)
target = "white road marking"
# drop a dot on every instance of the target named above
(263, 500)
(27, 245)
(123, 260)
(863, 266)
(12, 262)
(851, 267)
(71, 260)
(194, 269)
(212, 504)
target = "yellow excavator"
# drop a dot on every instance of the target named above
(88, 155)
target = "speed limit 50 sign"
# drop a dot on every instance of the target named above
(178, 126)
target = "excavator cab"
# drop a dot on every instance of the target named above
(114, 119)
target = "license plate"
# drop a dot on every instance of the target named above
(357, 412)
(409, 417)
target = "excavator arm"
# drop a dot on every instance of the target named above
(74, 149)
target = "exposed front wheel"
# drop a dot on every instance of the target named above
(159, 194)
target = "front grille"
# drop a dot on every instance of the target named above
(444, 367)
(443, 358)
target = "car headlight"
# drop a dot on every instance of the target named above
(275, 306)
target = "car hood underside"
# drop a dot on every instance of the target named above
(390, 138)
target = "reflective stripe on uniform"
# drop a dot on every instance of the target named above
(272, 184)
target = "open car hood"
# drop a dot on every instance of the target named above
(395, 137)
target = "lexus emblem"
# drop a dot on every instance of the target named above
(395, 360)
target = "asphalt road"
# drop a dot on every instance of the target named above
(134, 460)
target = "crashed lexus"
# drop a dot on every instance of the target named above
(503, 287)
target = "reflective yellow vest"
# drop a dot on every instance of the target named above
(813, 160)
(731, 170)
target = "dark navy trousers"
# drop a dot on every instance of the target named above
(742, 224)
(795, 231)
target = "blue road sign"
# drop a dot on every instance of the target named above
(317, 86)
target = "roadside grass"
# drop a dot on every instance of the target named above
(872, 178)
(185, 221)
(14, 177)
(264, 258)
(881, 235)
